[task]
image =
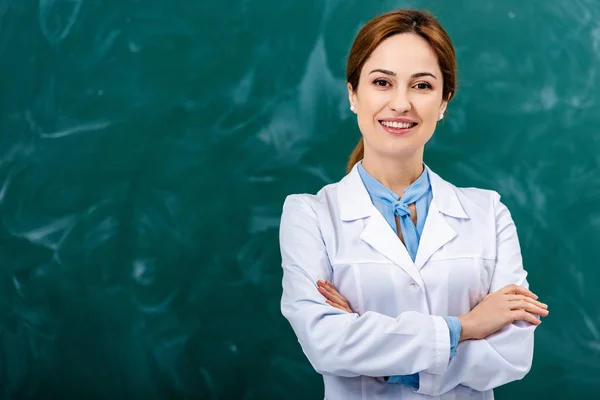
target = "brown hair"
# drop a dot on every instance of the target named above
(374, 32)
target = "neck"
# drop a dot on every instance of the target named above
(396, 174)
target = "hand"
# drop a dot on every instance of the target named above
(334, 298)
(507, 305)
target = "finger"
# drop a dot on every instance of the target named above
(336, 296)
(330, 286)
(325, 286)
(338, 306)
(331, 289)
(531, 308)
(321, 284)
(327, 294)
(334, 300)
(516, 289)
(521, 315)
(519, 297)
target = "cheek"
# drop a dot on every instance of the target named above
(366, 116)
(430, 112)
(370, 102)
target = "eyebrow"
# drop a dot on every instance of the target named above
(391, 73)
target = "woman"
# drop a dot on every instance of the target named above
(435, 295)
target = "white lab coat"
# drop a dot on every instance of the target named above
(468, 249)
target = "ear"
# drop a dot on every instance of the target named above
(443, 107)
(352, 97)
(444, 104)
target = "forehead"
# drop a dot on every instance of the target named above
(404, 54)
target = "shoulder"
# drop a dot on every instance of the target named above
(481, 203)
(308, 214)
(477, 203)
(477, 197)
(468, 197)
(311, 203)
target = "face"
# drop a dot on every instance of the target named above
(399, 97)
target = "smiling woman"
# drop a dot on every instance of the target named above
(399, 98)
(400, 60)
(398, 284)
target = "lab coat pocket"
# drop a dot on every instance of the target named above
(370, 286)
(486, 269)
(345, 281)
(483, 269)
(456, 285)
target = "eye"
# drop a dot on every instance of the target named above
(381, 82)
(423, 86)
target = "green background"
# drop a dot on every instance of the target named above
(146, 148)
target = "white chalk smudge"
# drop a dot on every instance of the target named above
(143, 271)
(209, 382)
(134, 47)
(242, 93)
(50, 14)
(548, 97)
(89, 127)
(595, 33)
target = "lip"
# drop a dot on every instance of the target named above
(399, 120)
(398, 131)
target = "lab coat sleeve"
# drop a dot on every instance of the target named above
(506, 355)
(340, 343)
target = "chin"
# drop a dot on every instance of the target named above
(398, 148)
(396, 152)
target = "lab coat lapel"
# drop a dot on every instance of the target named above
(355, 203)
(437, 231)
(381, 237)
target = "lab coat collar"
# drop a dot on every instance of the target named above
(355, 203)
(445, 197)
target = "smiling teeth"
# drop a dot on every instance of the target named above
(397, 125)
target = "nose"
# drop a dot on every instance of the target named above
(400, 102)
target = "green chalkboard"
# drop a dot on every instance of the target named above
(146, 148)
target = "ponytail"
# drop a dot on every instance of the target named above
(356, 156)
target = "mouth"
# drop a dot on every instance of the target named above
(398, 127)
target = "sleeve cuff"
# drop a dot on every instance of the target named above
(411, 381)
(427, 384)
(455, 329)
(442, 346)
